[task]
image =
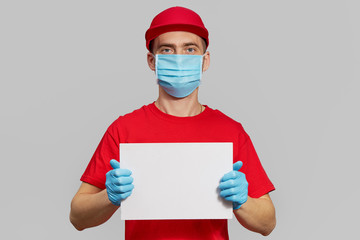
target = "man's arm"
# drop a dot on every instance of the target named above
(90, 207)
(257, 214)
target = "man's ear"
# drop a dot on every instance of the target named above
(206, 61)
(151, 61)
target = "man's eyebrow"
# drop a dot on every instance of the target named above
(190, 44)
(174, 46)
(167, 45)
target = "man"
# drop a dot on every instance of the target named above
(177, 41)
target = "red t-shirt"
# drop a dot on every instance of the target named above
(149, 125)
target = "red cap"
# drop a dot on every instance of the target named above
(176, 19)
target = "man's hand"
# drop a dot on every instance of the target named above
(234, 186)
(118, 183)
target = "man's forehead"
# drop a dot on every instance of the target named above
(177, 37)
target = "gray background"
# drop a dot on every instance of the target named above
(287, 70)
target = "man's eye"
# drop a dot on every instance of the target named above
(191, 50)
(166, 50)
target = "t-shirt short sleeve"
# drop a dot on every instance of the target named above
(259, 182)
(99, 165)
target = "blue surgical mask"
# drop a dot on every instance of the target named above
(178, 75)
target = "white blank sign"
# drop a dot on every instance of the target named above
(176, 180)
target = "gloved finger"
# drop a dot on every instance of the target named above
(230, 184)
(114, 164)
(123, 188)
(238, 198)
(119, 172)
(234, 198)
(230, 175)
(123, 181)
(125, 195)
(237, 165)
(126, 188)
(230, 191)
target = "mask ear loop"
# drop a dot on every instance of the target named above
(156, 64)
(201, 65)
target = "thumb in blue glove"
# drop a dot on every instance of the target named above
(234, 187)
(118, 183)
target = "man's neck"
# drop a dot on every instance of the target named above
(179, 107)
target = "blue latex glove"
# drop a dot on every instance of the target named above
(118, 183)
(234, 186)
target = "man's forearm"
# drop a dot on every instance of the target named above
(257, 214)
(91, 209)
